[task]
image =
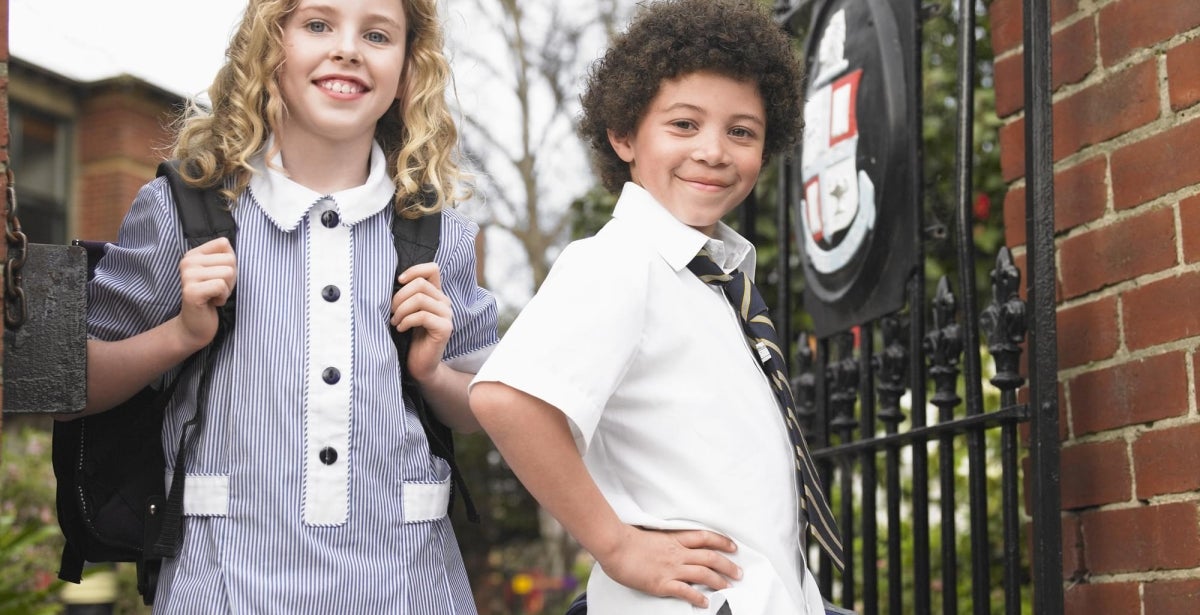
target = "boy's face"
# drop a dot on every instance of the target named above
(343, 68)
(699, 147)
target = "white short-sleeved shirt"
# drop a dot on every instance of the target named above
(310, 488)
(672, 414)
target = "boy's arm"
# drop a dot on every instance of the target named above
(536, 441)
(116, 370)
(421, 305)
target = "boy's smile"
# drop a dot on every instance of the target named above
(343, 68)
(699, 147)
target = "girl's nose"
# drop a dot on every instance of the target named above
(346, 51)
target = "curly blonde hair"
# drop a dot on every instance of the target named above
(417, 133)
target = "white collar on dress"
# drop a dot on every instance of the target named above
(286, 202)
(677, 242)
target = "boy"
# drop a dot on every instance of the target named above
(626, 397)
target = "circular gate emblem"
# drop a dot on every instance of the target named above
(854, 210)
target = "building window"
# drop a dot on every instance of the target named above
(39, 154)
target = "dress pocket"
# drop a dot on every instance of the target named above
(426, 501)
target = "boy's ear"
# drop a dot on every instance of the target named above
(621, 144)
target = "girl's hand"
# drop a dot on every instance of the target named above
(420, 305)
(207, 274)
(668, 562)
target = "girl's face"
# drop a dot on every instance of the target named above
(344, 61)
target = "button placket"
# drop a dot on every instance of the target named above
(328, 385)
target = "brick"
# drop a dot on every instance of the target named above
(1009, 82)
(1080, 193)
(1189, 217)
(1072, 53)
(1171, 596)
(1127, 26)
(1133, 393)
(1094, 598)
(1114, 106)
(1072, 539)
(1121, 251)
(1073, 56)
(1087, 332)
(1158, 537)
(1012, 150)
(1095, 473)
(1150, 168)
(1162, 312)
(1183, 74)
(4, 47)
(1014, 217)
(1007, 21)
(1165, 461)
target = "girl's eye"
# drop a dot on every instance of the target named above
(684, 124)
(376, 37)
(741, 133)
(316, 26)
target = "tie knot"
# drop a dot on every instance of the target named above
(707, 270)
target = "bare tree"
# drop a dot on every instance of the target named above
(519, 67)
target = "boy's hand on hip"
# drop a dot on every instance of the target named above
(668, 562)
(207, 276)
(420, 305)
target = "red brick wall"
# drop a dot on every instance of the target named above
(1126, 78)
(121, 137)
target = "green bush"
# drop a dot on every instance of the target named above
(30, 542)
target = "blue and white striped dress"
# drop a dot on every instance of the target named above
(270, 527)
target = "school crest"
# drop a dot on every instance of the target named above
(852, 195)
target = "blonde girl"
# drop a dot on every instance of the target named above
(310, 487)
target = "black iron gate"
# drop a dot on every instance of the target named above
(889, 396)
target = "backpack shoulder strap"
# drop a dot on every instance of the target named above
(204, 215)
(416, 241)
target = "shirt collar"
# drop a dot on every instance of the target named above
(286, 202)
(677, 242)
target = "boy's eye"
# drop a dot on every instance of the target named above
(316, 26)
(376, 37)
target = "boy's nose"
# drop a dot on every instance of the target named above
(710, 149)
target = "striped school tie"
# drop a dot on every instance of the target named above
(756, 323)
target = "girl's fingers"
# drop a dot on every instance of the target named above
(426, 271)
(404, 304)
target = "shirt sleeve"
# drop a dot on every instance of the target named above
(574, 341)
(136, 284)
(474, 308)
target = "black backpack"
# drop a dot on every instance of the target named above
(111, 500)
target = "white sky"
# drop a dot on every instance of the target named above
(175, 44)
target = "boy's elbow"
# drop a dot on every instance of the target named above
(480, 401)
(487, 403)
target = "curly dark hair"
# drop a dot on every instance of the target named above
(668, 39)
